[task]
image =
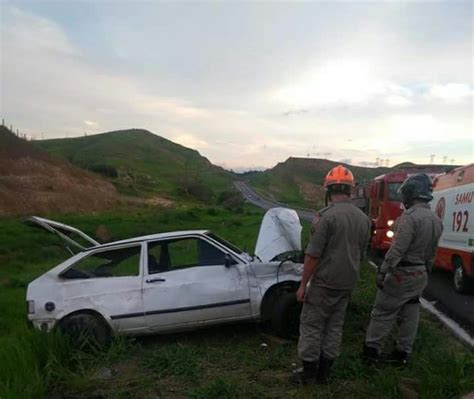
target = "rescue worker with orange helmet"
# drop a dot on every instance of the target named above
(402, 277)
(339, 238)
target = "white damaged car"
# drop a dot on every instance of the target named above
(169, 282)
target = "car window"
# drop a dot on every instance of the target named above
(111, 263)
(182, 253)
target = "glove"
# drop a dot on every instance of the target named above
(379, 279)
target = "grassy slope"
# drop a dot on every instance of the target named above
(290, 181)
(298, 181)
(148, 164)
(222, 362)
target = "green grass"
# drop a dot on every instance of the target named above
(220, 362)
(153, 165)
(288, 181)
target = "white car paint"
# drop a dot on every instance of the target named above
(280, 232)
(167, 300)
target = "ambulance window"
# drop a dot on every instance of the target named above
(381, 190)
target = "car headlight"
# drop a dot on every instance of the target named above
(30, 306)
(390, 234)
(390, 223)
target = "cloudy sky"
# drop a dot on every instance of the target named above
(247, 84)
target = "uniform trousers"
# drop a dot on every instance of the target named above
(397, 304)
(321, 322)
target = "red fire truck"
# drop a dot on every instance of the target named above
(453, 202)
(381, 201)
(382, 205)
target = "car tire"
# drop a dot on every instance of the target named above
(286, 316)
(85, 329)
(462, 283)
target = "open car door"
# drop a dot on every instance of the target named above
(74, 240)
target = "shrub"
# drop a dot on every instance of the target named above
(104, 170)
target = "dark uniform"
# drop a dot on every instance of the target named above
(339, 240)
(405, 267)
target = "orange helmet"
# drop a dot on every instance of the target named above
(339, 175)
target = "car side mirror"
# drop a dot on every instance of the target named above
(228, 262)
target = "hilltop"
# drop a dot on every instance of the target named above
(298, 181)
(141, 163)
(32, 181)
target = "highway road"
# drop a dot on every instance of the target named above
(256, 199)
(439, 291)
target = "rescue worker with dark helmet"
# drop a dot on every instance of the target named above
(339, 237)
(402, 277)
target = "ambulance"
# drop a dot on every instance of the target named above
(453, 202)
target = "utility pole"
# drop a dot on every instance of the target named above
(432, 157)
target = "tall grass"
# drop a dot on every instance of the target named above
(33, 363)
(222, 362)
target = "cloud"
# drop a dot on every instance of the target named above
(254, 102)
(342, 83)
(150, 104)
(398, 101)
(91, 123)
(292, 112)
(451, 92)
(191, 141)
(346, 160)
(368, 164)
(35, 33)
(46, 77)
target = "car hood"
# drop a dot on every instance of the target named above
(280, 232)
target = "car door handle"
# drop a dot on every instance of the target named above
(155, 280)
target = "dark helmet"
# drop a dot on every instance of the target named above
(418, 187)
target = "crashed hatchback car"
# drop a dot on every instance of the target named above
(169, 282)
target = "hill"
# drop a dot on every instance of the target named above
(141, 163)
(298, 181)
(32, 181)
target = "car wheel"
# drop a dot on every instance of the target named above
(286, 316)
(85, 329)
(462, 283)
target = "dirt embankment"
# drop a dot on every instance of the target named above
(32, 181)
(311, 193)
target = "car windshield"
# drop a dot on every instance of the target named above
(224, 242)
(393, 194)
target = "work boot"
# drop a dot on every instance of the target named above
(370, 355)
(305, 375)
(324, 370)
(397, 358)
